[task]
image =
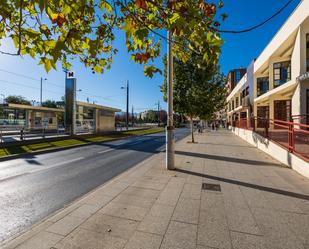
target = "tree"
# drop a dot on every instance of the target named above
(62, 30)
(50, 104)
(198, 92)
(14, 99)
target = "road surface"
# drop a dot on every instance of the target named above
(33, 187)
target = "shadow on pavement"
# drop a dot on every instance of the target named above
(246, 184)
(227, 159)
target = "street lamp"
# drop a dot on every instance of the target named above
(41, 90)
(170, 147)
(127, 112)
(3, 98)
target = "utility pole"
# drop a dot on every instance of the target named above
(127, 116)
(170, 150)
(132, 115)
(127, 108)
(41, 91)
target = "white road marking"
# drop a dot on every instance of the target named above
(105, 151)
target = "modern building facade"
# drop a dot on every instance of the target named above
(276, 84)
(94, 118)
(89, 117)
(32, 117)
(238, 100)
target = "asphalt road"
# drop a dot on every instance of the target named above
(33, 187)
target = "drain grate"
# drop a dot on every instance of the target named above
(212, 187)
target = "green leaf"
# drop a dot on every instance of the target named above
(106, 6)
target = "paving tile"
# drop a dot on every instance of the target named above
(247, 241)
(191, 191)
(134, 200)
(65, 225)
(124, 211)
(97, 199)
(154, 224)
(298, 223)
(149, 184)
(86, 239)
(157, 178)
(142, 240)
(255, 198)
(85, 211)
(114, 226)
(169, 197)
(180, 236)
(159, 210)
(41, 241)
(27, 235)
(142, 192)
(277, 233)
(282, 202)
(211, 200)
(213, 229)
(205, 247)
(241, 220)
(187, 210)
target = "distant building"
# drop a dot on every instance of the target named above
(153, 116)
(233, 77)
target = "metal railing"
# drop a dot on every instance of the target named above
(293, 136)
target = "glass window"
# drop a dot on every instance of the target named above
(237, 76)
(262, 85)
(237, 104)
(282, 73)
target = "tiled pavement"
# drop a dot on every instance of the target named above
(261, 204)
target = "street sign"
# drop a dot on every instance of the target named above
(70, 75)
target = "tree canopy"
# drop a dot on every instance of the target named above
(61, 30)
(198, 92)
(14, 99)
(50, 104)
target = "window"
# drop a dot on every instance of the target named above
(237, 76)
(232, 104)
(282, 73)
(237, 102)
(282, 110)
(262, 85)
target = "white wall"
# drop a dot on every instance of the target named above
(274, 150)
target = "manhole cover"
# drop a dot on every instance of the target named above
(212, 187)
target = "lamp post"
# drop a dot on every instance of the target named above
(3, 98)
(170, 147)
(41, 90)
(127, 109)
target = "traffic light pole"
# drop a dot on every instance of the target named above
(170, 147)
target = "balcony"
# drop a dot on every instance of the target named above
(245, 102)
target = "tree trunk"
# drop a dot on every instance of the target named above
(192, 132)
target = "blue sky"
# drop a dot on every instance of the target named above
(238, 51)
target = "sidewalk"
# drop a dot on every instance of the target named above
(255, 203)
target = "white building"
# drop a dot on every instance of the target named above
(276, 85)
